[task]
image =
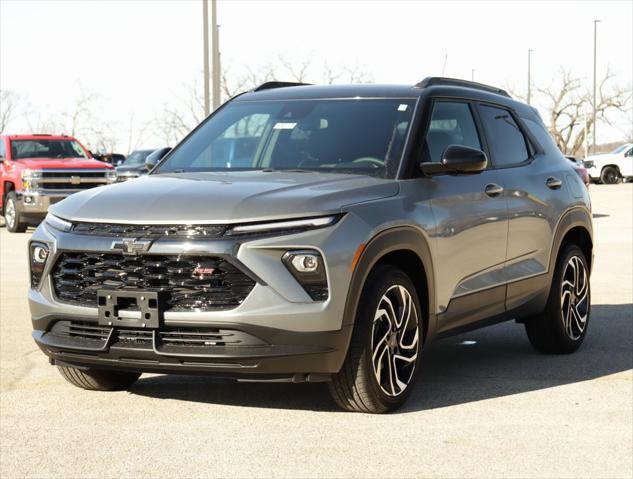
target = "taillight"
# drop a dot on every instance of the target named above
(584, 175)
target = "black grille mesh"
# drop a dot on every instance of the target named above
(193, 283)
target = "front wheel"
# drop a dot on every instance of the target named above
(563, 326)
(610, 175)
(12, 216)
(383, 357)
(98, 379)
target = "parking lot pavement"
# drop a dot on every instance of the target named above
(486, 405)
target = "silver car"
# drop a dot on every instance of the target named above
(320, 233)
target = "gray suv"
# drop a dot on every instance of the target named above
(320, 233)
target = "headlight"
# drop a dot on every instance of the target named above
(110, 176)
(288, 226)
(57, 223)
(308, 269)
(38, 256)
(29, 178)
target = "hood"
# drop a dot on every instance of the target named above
(222, 197)
(61, 163)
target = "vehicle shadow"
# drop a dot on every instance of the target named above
(483, 364)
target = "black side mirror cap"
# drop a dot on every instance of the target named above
(457, 159)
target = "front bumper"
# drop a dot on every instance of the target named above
(36, 203)
(295, 335)
(258, 351)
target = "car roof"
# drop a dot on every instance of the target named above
(431, 86)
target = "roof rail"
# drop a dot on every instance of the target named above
(277, 84)
(436, 81)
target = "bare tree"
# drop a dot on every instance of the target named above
(9, 101)
(568, 103)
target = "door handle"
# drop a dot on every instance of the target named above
(553, 183)
(493, 190)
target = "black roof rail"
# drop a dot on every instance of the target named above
(277, 84)
(437, 81)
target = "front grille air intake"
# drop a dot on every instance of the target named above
(193, 283)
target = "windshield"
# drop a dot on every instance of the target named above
(137, 157)
(46, 149)
(343, 136)
(620, 149)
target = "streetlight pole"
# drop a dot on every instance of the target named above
(215, 55)
(205, 42)
(529, 73)
(595, 56)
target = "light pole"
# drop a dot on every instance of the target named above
(214, 94)
(529, 73)
(595, 56)
(215, 55)
(205, 48)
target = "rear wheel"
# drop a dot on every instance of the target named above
(562, 328)
(610, 175)
(98, 379)
(382, 360)
(12, 216)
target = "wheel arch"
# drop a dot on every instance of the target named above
(406, 248)
(574, 227)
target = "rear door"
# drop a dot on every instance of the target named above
(471, 223)
(534, 185)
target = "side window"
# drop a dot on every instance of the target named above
(505, 139)
(451, 124)
(629, 153)
(2, 152)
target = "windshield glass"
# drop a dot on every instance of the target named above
(620, 149)
(46, 149)
(363, 136)
(137, 157)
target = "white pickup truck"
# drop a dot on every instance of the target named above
(611, 168)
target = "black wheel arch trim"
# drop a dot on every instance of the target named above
(388, 241)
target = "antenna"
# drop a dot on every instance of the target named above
(444, 65)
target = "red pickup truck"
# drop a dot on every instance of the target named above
(39, 170)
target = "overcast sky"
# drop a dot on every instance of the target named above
(138, 54)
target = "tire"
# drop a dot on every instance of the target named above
(610, 175)
(395, 349)
(12, 216)
(563, 326)
(98, 379)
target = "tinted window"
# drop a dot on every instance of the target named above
(2, 153)
(335, 136)
(46, 149)
(505, 140)
(451, 124)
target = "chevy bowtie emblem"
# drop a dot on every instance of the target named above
(131, 246)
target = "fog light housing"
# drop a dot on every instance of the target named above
(308, 269)
(38, 257)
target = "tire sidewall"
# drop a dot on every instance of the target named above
(381, 279)
(554, 306)
(10, 198)
(605, 175)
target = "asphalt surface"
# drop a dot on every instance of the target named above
(490, 407)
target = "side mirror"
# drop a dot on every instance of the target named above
(154, 157)
(457, 159)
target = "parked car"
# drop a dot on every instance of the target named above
(114, 159)
(134, 166)
(611, 168)
(320, 233)
(37, 171)
(579, 167)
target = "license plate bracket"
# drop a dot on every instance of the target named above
(138, 309)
